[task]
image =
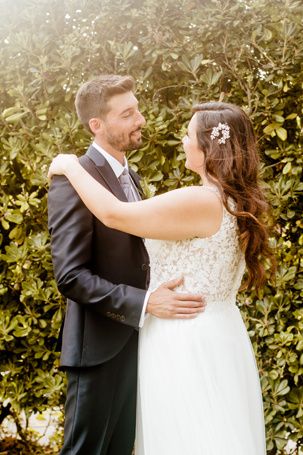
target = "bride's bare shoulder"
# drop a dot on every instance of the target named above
(199, 194)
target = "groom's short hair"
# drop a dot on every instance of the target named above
(93, 96)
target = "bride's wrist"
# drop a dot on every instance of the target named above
(72, 170)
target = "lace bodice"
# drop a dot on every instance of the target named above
(211, 266)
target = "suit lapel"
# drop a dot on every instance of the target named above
(106, 173)
(109, 179)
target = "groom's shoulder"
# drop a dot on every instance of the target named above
(91, 158)
(88, 164)
(84, 160)
(60, 185)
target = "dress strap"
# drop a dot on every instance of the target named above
(213, 189)
(231, 202)
(216, 191)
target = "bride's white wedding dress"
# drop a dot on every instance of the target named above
(198, 387)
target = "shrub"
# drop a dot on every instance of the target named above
(247, 52)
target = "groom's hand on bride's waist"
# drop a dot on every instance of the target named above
(166, 303)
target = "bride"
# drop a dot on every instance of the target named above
(199, 390)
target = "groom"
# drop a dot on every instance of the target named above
(104, 273)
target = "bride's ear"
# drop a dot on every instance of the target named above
(95, 125)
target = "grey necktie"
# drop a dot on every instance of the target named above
(128, 187)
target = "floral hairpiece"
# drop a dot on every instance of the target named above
(224, 129)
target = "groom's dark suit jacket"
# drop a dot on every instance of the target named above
(103, 272)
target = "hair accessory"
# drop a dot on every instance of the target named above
(222, 128)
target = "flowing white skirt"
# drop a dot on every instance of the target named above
(198, 388)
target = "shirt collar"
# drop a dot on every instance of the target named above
(116, 166)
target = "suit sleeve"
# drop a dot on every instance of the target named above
(71, 228)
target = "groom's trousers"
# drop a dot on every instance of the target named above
(100, 409)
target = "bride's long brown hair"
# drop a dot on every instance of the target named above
(234, 167)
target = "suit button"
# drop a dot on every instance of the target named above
(145, 267)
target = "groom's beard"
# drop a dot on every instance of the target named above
(125, 142)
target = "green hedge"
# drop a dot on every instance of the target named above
(248, 52)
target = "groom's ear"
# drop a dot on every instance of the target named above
(95, 125)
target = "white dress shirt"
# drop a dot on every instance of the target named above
(118, 168)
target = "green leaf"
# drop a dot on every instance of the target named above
(291, 116)
(14, 217)
(282, 133)
(15, 117)
(269, 129)
(287, 168)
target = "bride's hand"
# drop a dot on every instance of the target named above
(60, 164)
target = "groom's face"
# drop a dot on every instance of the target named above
(121, 126)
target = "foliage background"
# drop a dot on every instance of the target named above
(248, 52)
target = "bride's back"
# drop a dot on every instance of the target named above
(211, 266)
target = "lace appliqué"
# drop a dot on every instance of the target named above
(211, 266)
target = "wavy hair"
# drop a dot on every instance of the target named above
(234, 167)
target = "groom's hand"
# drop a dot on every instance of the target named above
(165, 303)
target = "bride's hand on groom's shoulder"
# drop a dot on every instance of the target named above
(166, 303)
(60, 164)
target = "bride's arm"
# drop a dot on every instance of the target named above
(176, 215)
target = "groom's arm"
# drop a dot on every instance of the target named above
(71, 229)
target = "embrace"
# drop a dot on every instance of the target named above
(153, 344)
